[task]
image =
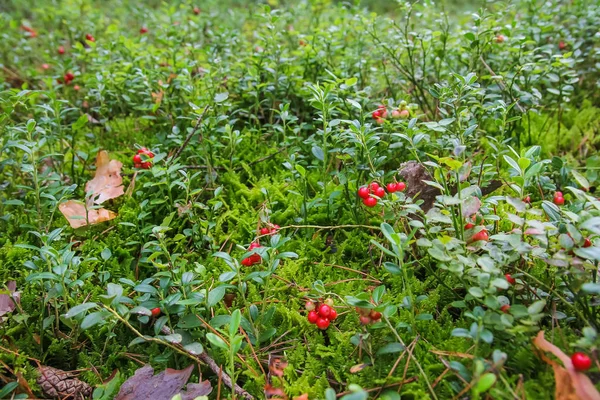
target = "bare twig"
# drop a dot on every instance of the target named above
(501, 84)
(189, 136)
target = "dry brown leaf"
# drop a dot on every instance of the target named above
(107, 183)
(358, 367)
(75, 212)
(277, 365)
(162, 386)
(274, 393)
(570, 384)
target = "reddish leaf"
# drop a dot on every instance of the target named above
(470, 206)
(8, 298)
(277, 365)
(271, 392)
(163, 386)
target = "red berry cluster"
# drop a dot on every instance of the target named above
(368, 316)
(481, 235)
(380, 114)
(142, 158)
(559, 200)
(143, 30)
(254, 258)
(67, 78)
(88, 36)
(365, 192)
(510, 279)
(269, 230)
(321, 314)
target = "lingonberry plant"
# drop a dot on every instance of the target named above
(310, 199)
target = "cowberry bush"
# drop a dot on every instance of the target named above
(395, 203)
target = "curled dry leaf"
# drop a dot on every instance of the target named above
(79, 215)
(163, 386)
(277, 365)
(570, 384)
(107, 183)
(8, 298)
(358, 367)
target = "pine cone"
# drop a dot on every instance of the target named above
(56, 383)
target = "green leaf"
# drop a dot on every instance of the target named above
(234, 323)
(391, 348)
(221, 97)
(536, 307)
(216, 295)
(216, 341)
(79, 309)
(485, 382)
(194, 348)
(351, 81)
(318, 153)
(476, 291)
(92, 319)
(106, 254)
(7, 389)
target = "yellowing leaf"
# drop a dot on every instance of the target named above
(79, 215)
(570, 384)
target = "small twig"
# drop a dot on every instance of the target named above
(189, 136)
(501, 84)
(409, 380)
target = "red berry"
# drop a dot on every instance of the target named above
(142, 150)
(137, 165)
(581, 361)
(324, 311)
(381, 107)
(383, 113)
(391, 187)
(196, 10)
(312, 317)
(254, 245)
(481, 235)
(69, 77)
(45, 66)
(322, 323)
(558, 194)
(370, 202)
(375, 315)
(396, 114)
(562, 45)
(380, 121)
(61, 50)
(500, 38)
(365, 320)
(156, 312)
(505, 308)
(363, 192)
(404, 114)
(76, 88)
(587, 243)
(559, 201)
(146, 165)
(400, 187)
(527, 199)
(469, 226)
(310, 306)
(143, 30)
(374, 186)
(247, 262)
(264, 231)
(332, 314)
(510, 279)
(88, 36)
(376, 114)
(380, 192)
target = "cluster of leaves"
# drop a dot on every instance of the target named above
(262, 116)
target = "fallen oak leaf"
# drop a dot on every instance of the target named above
(107, 183)
(570, 384)
(162, 386)
(78, 214)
